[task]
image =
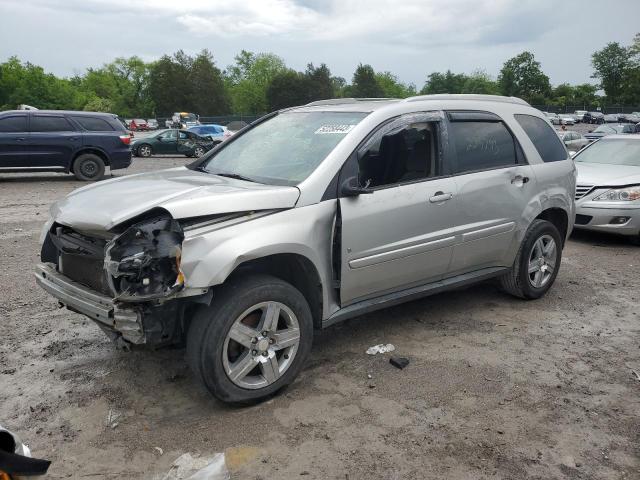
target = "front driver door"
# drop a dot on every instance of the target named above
(167, 142)
(400, 234)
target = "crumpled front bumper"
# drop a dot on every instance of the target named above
(116, 321)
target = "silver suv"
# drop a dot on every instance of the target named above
(308, 217)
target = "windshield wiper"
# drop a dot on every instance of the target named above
(237, 176)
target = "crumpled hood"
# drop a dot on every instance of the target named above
(182, 192)
(601, 174)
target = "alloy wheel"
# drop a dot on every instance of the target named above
(261, 345)
(542, 261)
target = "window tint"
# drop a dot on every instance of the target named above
(93, 124)
(482, 145)
(543, 137)
(400, 156)
(17, 123)
(50, 124)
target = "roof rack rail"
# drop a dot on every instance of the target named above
(468, 96)
(340, 101)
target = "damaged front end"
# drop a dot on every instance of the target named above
(129, 280)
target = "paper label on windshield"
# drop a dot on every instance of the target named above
(326, 129)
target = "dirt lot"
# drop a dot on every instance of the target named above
(496, 387)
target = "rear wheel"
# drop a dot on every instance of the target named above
(88, 167)
(537, 263)
(198, 151)
(145, 150)
(252, 340)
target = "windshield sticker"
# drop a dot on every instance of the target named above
(325, 129)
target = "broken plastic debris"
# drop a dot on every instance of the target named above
(399, 362)
(381, 348)
(189, 467)
(159, 450)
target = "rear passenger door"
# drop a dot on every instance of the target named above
(13, 141)
(494, 184)
(53, 141)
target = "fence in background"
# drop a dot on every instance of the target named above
(589, 108)
(218, 119)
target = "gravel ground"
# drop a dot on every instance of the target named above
(496, 387)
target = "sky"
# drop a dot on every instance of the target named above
(410, 38)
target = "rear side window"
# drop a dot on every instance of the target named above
(482, 145)
(16, 123)
(93, 124)
(543, 137)
(40, 123)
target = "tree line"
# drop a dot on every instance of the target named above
(260, 82)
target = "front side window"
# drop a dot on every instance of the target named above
(285, 149)
(41, 123)
(405, 154)
(16, 123)
(482, 145)
(543, 137)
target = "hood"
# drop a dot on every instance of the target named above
(601, 174)
(182, 192)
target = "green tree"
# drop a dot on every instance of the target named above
(320, 82)
(585, 94)
(167, 80)
(365, 84)
(447, 82)
(611, 65)
(522, 76)
(481, 83)
(207, 90)
(288, 89)
(392, 87)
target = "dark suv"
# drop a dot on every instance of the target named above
(82, 143)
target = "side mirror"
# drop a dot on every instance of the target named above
(351, 188)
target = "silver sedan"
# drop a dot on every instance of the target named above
(608, 186)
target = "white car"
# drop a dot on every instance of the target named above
(553, 118)
(567, 119)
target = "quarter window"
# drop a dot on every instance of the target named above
(482, 145)
(16, 123)
(543, 137)
(50, 124)
(93, 124)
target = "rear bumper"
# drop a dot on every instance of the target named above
(599, 219)
(120, 159)
(100, 308)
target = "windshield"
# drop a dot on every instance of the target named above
(603, 129)
(188, 117)
(613, 151)
(285, 149)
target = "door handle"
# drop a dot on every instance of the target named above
(20, 139)
(519, 180)
(440, 197)
(71, 139)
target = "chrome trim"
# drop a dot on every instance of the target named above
(489, 231)
(401, 252)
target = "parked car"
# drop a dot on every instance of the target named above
(574, 141)
(152, 124)
(82, 143)
(608, 190)
(593, 118)
(215, 133)
(579, 115)
(604, 130)
(629, 118)
(553, 118)
(139, 125)
(566, 119)
(362, 204)
(176, 142)
(612, 118)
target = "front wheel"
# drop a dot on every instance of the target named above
(198, 151)
(252, 340)
(537, 263)
(145, 151)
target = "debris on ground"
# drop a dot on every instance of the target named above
(190, 467)
(399, 362)
(112, 418)
(159, 450)
(381, 348)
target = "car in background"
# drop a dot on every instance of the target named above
(574, 141)
(629, 118)
(579, 115)
(566, 119)
(152, 124)
(595, 118)
(553, 118)
(82, 143)
(172, 142)
(612, 118)
(604, 130)
(608, 186)
(139, 125)
(215, 133)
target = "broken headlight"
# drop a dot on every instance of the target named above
(144, 261)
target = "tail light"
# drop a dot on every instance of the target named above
(126, 139)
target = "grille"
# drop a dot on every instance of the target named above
(582, 190)
(583, 219)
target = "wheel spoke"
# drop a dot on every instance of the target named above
(533, 267)
(270, 316)
(537, 278)
(550, 249)
(539, 248)
(240, 368)
(270, 369)
(551, 263)
(242, 334)
(286, 338)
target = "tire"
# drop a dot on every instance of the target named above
(88, 167)
(519, 281)
(260, 368)
(198, 151)
(144, 150)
